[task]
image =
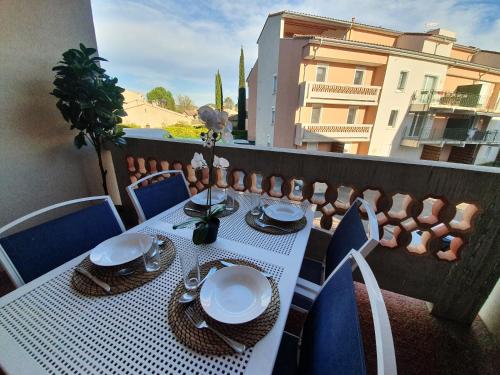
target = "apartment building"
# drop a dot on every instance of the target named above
(332, 85)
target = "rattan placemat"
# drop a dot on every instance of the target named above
(120, 284)
(290, 227)
(189, 206)
(206, 342)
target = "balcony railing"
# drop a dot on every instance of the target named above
(436, 135)
(417, 204)
(338, 93)
(332, 133)
(451, 101)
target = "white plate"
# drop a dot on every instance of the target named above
(235, 294)
(284, 212)
(201, 198)
(120, 249)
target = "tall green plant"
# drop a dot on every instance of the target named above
(89, 100)
(218, 92)
(242, 94)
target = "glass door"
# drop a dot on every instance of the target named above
(428, 88)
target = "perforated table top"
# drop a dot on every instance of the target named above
(237, 229)
(47, 327)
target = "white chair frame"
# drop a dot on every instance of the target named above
(386, 357)
(133, 196)
(309, 289)
(5, 261)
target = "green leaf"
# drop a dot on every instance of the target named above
(188, 222)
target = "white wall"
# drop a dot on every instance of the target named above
(39, 163)
(386, 140)
(267, 67)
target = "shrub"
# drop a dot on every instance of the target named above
(182, 130)
(122, 126)
(240, 134)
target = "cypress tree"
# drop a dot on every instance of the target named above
(218, 92)
(242, 95)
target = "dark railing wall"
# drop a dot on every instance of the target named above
(457, 280)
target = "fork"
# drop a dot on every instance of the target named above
(261, 224)
(200, 323)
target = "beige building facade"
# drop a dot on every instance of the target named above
(331, 85)
(40, 165)
(147, 115)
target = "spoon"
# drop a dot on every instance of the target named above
(191, 296)
(125, 272)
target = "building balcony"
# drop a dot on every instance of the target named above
(332, 133)
(454, 102)
(439, 136)
(338, 93)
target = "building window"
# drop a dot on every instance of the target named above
(351, 115)
(273, 115)
(393, 117)
(312, 146)
(359, 76)
(417, 124)
(316, 115)
(321, 72)
(275, 83)
(403, 76)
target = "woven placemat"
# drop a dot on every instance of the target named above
(206, 342)
(192, 206)
(291, 227)
(121, 284)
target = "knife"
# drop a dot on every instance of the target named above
(229, 264)
(94, 279)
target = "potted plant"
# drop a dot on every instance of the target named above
(207, 226)
(90, 101)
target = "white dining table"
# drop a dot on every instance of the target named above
(46, 327)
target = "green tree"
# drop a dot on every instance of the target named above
(218, 92)
(89, 100)
(161, 97)
(228, 103)
(184, 103)
(242, 94)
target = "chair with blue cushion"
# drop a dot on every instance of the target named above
(32, 252)
(158, 196)
(331, 340)
(349, 234)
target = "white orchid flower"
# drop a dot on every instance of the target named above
(198, 162)
(220, 162)
(212, 118)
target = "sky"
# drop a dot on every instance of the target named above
(180, 45)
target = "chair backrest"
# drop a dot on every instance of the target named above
(351, 234)
(159, 196)
(331, 340)
(32, 252)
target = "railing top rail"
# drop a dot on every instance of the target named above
(333, 155)
(342, 84)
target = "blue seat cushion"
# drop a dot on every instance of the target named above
(162, 195)
(349, 234)
(286, 360)
(39, 249)
(311, 270)
(331, 338)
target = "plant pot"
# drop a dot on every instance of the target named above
(206, 233)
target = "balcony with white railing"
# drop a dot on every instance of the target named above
(338, 93)
(305, 132)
